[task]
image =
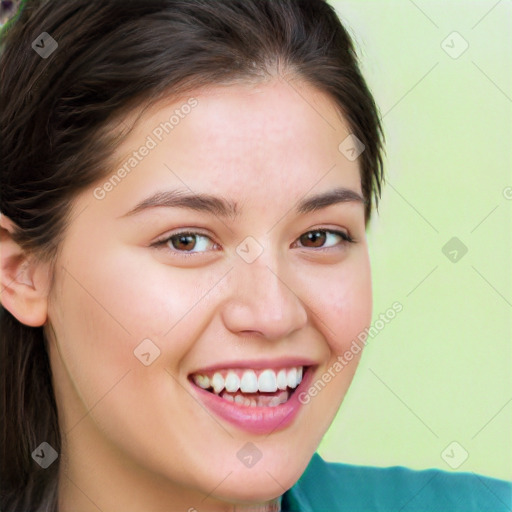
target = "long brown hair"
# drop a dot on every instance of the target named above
(57, 114)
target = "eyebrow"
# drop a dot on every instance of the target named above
(222, 207)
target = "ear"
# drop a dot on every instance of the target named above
(24, 281)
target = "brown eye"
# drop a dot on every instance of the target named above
(318, 237)
(184, 242)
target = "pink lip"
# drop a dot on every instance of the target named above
(259, 364)
(257, 420)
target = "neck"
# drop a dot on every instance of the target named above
(269, 506)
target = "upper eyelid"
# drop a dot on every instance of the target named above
(165, 238)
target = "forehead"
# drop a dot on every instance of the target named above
(247, 141)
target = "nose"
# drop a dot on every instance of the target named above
(263, 302)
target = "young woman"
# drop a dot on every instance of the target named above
(185, 187)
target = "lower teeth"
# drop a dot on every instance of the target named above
(257, 400)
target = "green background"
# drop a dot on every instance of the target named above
(441, 370)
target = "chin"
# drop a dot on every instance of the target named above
(263, 482)
(252, 489)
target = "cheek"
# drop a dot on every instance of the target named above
(124, 297)
(343, 302)
(107, 307)
(101, 311)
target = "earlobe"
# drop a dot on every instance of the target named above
(24, 281)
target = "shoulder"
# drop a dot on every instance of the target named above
(332, 487)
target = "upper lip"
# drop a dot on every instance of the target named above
(257, 364)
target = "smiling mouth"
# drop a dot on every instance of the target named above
(252, 388)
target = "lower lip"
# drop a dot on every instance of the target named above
(258, 420)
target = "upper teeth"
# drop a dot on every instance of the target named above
(247, 381)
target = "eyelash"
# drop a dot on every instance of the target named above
(346, 239)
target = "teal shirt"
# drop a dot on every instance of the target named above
(335, 487)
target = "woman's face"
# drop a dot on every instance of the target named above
(137, 319)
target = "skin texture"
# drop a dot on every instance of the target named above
(134, 438)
